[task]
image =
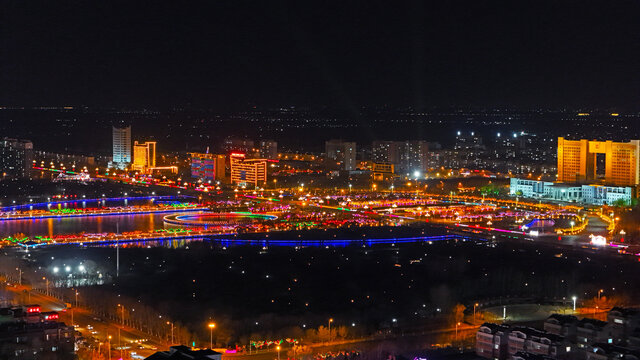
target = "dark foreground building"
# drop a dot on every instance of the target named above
(27, 333)
(182, 352)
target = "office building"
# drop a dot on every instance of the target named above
(268, 149)
(246, 172)
(208, 167)
(577, 161)
(121, 147)
(16, 158)
(581, 193)
(144, 155)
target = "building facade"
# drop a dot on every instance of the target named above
(268, 149)
(16, 158)
(342, 153)
(208, 167)
(144, 155)
(121, 147)
(586, 194)
(248, 171)
(577, 161)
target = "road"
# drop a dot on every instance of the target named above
(94, 329)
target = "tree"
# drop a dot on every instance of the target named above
(457, 313)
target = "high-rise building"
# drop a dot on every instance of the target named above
(577, 161)
(268, 149)
(414, 156)
(121, 147)
(342, 153)
(16, 158)
(208, 167)
(144, 155)
(386, 152)
(248, 171)
(407, 156)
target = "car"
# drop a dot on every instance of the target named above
(89, 327)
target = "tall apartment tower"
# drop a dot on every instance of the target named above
(121, 147)
(341, 152)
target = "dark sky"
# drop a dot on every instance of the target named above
(231, 54)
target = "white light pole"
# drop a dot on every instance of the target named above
(574, 298)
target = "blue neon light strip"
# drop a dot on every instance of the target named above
(267, 242)
(26, 206)
(81, 215)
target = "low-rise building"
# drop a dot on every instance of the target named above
(492, 341)
(587, 194)
(562, 325)
(591, 331)
(601, 351)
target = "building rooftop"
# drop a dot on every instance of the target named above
(180, 352)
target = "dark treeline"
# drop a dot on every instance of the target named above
(267, 293)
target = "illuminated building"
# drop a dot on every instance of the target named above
(268, 149)
(121, 147)
(386, 151)
(248, 171)
(406, 156)
(144, 155)
(16, 157)
(342, 153)
(382, 171)
(577, 161)
(414, 156)
(208, 166)
(586, 194)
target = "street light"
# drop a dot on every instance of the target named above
(474, 312)
(330, 321)
(211, 327)
(171, 323)
(457, 324)
(122, 313)
(278, 348)
(600, 292)
(574, 298)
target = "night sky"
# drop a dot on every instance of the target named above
(228, 55)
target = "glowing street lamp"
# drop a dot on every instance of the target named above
(211, 327)
(278, 348)
(574, 298)
(171, 323)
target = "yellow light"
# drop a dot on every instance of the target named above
(212, 325)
